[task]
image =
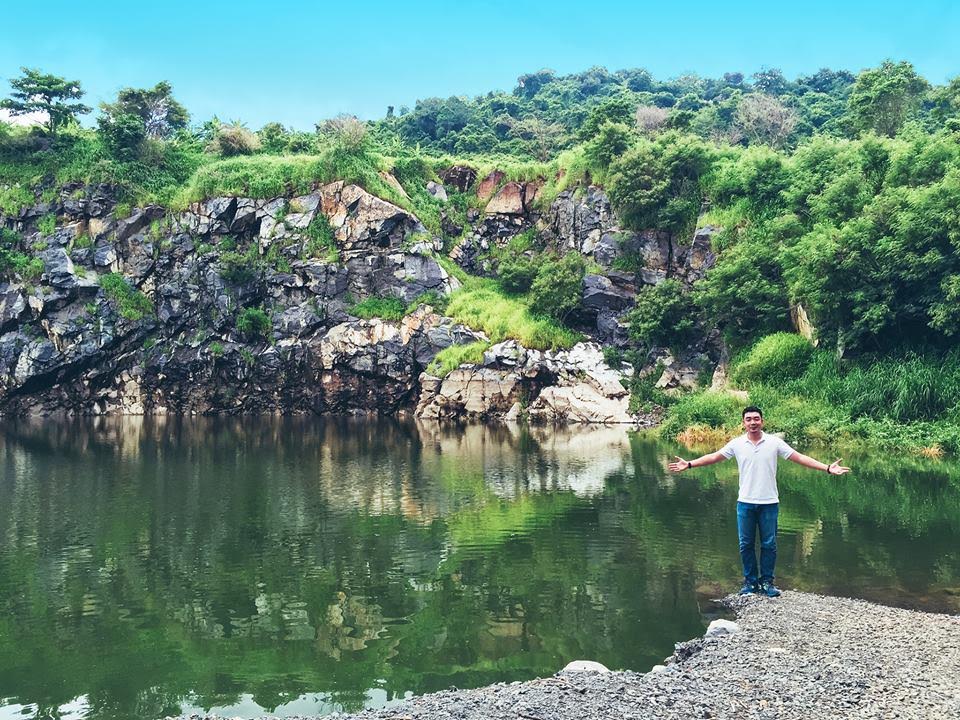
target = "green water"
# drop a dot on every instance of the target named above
(304, 566)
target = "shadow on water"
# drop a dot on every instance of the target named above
(302, 565)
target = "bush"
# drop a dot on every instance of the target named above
(612, 141)
(664, 314)
(558, 287)
(232, 140)
(714, 409)
(517, 273)
(777, 358)
(122, 134)
(240, 268)
(131, 303)
(254, 323)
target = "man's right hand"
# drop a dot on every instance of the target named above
(679, 466)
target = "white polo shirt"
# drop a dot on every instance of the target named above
(758, 466)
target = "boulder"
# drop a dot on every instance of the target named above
(363, 223)
(578, 666)
(508, 201)
(601, 293)
(437, 190)
(460, 177)
(488, 186)
(721, 627)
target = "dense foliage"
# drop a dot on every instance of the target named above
(835, 196)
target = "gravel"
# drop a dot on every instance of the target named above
(796, 656)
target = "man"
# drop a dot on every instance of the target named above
(758, 502)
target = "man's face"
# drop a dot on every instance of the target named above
(753, 422)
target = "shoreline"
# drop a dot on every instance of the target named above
(794, 657)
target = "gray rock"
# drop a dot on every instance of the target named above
(437, 190)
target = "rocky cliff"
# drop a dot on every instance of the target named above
(242, 305)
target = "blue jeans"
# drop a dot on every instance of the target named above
(751, 516)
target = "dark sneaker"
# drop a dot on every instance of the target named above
(749, 588)
(769, 589)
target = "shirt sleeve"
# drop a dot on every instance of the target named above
(784, 450)
(727, 450)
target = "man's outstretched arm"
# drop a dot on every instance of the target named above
(680, 465)
(834, 468)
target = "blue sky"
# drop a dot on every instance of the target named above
(299, 63)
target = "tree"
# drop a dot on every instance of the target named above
(664, 314)
(771, 81)
(162, 115)
(650, 118)
(541, 137)
(558, 287)
(609, 143)
(765, 119)
(884, 98)
(657, 184)
(48, 94)
(530, 84)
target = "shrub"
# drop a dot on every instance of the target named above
(254, 323)
(713, 409)
(517, 273)
(240, 268)
(558, 287)
(232, 140)
(131, 303)
(612, 140)
(777, 358)
(321, 242)
(664, 314)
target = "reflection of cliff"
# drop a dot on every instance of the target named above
(516, 459)
(350, 623)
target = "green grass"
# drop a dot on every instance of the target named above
(910, 402)
(386, 308)
(481, 304)
(265, 176)
(452, 357)
(131, 303)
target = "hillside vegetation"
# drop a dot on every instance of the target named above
(837, 193)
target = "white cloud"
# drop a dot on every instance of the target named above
(34, 118)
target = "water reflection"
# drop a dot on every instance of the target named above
(157, 565)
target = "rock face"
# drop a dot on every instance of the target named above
(235, 305)
(243, 305)
(585, 222)
(573, 385)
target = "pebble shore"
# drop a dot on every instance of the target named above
(797, 656)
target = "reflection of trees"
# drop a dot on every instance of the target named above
(145, 562)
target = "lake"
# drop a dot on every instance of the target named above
(151, 567)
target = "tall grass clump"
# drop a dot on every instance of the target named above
(911, 389)
(711, 409)
(386, 308)
(484, 306)
(780, 357)
(452, 357)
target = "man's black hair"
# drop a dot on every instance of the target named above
(752, 408)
